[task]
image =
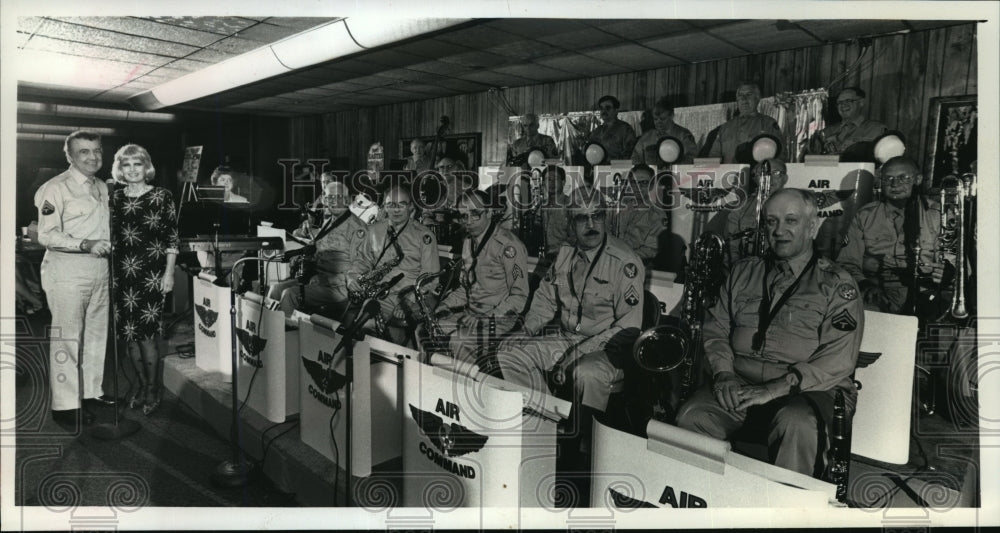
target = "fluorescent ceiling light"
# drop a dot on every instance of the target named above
(64, 130)
(323, 43)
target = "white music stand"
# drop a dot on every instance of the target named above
(212, 327)
(275, 391)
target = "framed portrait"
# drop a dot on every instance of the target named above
(464, 147)
(951, 137)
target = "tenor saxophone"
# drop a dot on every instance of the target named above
(435, 333)
(370, 284)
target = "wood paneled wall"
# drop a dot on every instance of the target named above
(900, 73)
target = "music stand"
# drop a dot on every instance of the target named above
(211, 193)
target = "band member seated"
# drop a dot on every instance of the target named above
(737, 133)
(418, 159)
(395, 245)
(340, 237)
(493, 281)
(544, 215)
(640, 219)
(443, 196)
(744, 219)
(645, 151)
(782, 338)
(531, 140)
(879, 249)
(594, 292)
(616, 136)
(852, 129)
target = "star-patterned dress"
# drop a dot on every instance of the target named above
(145, 229)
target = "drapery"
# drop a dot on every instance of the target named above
(800, 117)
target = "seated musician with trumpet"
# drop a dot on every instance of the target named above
(782, 338)
(594, 291)
(395, 245)
(886, 235)
(493, 280)
(337, 242)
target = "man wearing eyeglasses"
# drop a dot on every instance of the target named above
(493, 280)
(419, 251)
(595, 291)
(744, 127)
(335, 252)
(617, 137)
(744, 218)
(853, 128)
(880, 239)
(531, 140)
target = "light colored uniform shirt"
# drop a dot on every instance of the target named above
(423, 163)
(816, 333)
(500, 284)
(337, 251)
(420, 254)
(618, 139)
(538, 140)
(649, 141)
(739, 130)
(838, 137)
(607, 302)
(639, 228)
(71, 208)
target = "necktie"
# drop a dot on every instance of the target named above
(780, 278)
(95, 191)
(580, 265)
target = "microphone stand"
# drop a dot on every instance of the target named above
(237, 471)
(122, 427)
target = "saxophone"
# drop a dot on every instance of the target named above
(371, 284)
(435, 333)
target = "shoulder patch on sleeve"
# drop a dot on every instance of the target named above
(847, 291)
(361, 233)
(631, 270)
(427, 238)
(844, 321)
(48, 208)
(632, 297)
(509, 252)
(517, 273)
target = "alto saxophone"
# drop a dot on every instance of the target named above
(435, 333)
(370, 285)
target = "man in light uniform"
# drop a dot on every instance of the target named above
(853, 128)
(877, 253)
(493, 281)
(531, 140)
(419, 255)
(743, 128)
(744, 218)
(617, 137)
(782, 338)
(646, 151)
(595, 289)
(640, 221)
(418, 160)
(74, 227)
(335, 252)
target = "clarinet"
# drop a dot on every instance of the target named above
(840, 448)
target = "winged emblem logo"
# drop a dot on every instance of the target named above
(206, 315)
(452, 439)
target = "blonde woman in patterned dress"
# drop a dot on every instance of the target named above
(145, 238)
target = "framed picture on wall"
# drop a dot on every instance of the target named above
(951, 136)
(464, 147)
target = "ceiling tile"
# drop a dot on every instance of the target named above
(479, 36)
(641, 29)
(392, 58)
(462, 85)
(49, 44)
(582, 66)
(582, 38)
(187, 65)
(524, 50)
(476, 59)
(403, 74)
(354, 66)
(344, 86)
(210, 56)
(537, 28)
(266, 33)
(427, 89)
(89, 35)
(218, 25)
(373, 81)
(235, 45)
(633, 56)
(432, 48)
(764, 35)
(438, 67)
(494, 78)
(694, 47)
(144, 27)
(838, 30)
(299, 23)
(536, 73)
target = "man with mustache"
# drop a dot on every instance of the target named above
(742, 128)
(595, 290)
(617, 137)
(74, 226)
(879, 248)
(781, 340)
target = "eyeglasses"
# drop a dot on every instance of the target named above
(397, 205)
(606, 107)
(472, 215)
(845, 103)
(905, 179)
(596, 217)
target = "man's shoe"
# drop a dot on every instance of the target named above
(69, 418)
(106, 400)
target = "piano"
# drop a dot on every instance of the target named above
(230, 243)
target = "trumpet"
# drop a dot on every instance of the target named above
(663, 349)
(755, 242)
(955, 192)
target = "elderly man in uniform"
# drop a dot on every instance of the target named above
(744, 218)
(640, 220)
(617, 137)
(595, 290)
(74, 227)
(646, 148)
(531, 140)
(853, 128)
(744, 127)
(493, 280)
(880, 239)
(782, 339)
(336, 250)
(418, 160)
(400, 245)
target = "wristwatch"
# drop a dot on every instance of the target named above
(83, 245)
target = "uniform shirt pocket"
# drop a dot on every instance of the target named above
(802, 316)
(745, 309)
(78, 207)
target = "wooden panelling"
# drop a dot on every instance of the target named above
(900, 73)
